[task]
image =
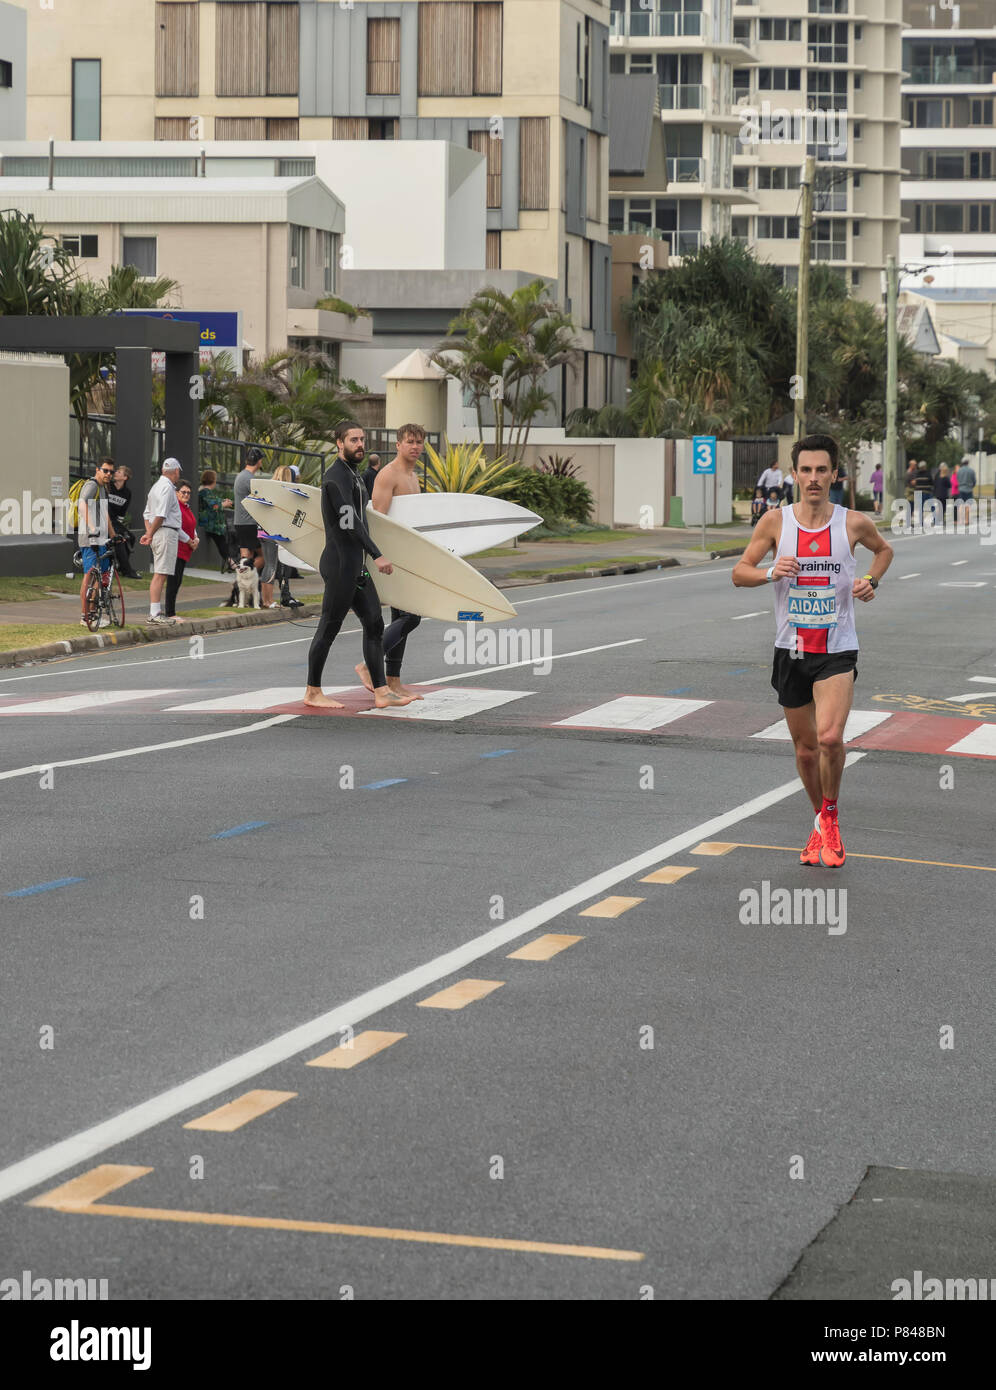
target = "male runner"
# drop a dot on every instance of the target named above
(399, 478)
(342, 567)
(816, 645)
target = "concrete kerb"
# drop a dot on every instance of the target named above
(102, 641)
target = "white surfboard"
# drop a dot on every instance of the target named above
(465, 522)
(427, 578)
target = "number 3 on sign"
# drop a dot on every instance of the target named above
(704, 453)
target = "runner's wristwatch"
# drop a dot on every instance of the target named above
(871, 581)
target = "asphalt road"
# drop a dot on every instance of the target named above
(678, 1100)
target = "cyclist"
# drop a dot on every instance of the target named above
(94, 528)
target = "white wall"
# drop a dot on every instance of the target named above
(639, 482)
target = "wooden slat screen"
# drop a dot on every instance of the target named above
(487, 49)
(534, 162)
(177, 50)
(172, 127)
(349, 128)
(240, 128)
(383, 57)
(492, 251)
(240, 60)
(445, 48)
(282, 128)
(482, 142)
(282, 49)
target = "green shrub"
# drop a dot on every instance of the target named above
(555, 498)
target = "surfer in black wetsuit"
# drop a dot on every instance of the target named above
(343, 568)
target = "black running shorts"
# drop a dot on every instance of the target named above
(794, 676)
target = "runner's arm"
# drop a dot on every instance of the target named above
(866, 533)
(747, 572)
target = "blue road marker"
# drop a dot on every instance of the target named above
(42, 887)
(499, 753)
(240, 829)
(388, 782)
(682, 690)
(738, 671)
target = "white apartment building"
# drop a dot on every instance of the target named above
(746, 92)
(949, 143)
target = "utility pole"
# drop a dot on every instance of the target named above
(802, 298)
(890, 479)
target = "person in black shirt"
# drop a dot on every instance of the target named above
(342, 567)
(119, 510)
(369, 475)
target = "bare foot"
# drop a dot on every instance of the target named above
(389, 699)
(395, 686)
(364, 676)
(314, 696)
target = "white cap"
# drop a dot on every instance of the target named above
(170, 464)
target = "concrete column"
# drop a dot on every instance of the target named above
(133, 442)
(182, 413)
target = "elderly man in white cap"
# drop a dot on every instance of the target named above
(163, 531)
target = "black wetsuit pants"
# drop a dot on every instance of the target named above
(395, 637)
(343, 591)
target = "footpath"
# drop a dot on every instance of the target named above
(529, 562)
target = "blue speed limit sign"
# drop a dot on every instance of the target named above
(704, 453)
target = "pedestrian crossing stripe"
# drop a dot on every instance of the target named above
(665, 716)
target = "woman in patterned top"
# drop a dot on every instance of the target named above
(211, 516)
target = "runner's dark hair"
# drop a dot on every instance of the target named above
(813, 444)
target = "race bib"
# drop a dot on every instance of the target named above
(812, 607)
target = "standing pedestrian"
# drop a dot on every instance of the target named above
(186, 545)
(95, 528)
(119, 505)
(877, 486)
(369, 475)
(966, 485)
(247, 530)
(286, 473)
(211, 508)
(942, 486)
(162, 534)
(788, 487)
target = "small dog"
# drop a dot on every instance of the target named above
(247, 583)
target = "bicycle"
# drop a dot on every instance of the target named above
(104, 604)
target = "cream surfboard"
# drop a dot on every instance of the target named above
(427, 579)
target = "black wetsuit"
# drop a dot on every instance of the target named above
(347, 545)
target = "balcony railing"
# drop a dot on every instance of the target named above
(681, 98)
(643, 24)
(685, 169)
(741, 94)
(639, 229)
(829, 251)
(943, 75)
(683, 243)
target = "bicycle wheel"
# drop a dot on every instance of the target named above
(92, 600)
(114, 598)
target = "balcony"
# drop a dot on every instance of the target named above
(685, 169)
(683, 243)
(945, 75)
(681, 98)
(627, 24)
(829, 251)
(639, 229)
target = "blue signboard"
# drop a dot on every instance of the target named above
(704, 453)
(218, 330)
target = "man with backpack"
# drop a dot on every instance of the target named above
(94, 527)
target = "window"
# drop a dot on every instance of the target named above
(383, 57)
(641, 62)
(84, 247)
(741, 31)
(327, 259)
(778, 228)
(778, 79)
(855, 229)
(779, 176)
(256, 48)
(741, 228)
(256, 127)
(140, 252)
(857, 33)
(826, 91)
(491, 147)
(855, 180)
(855, 278)
(177, 54)
(459, 48)
(779, 29)
(617, 214)
(828, 6)
(980, 111)
(382, 128)
(6, 73)
(86, 98)
(857, 82)
(980, 164)
(492, 251)
(534, 162)
(299, 256)
(829, 240)
(617, 62)
(174, 127)
(827, 43)
(282, 50)
(857, 130)
(741, 178)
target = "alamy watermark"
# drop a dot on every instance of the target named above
(504, 646)
(930, 516)
(794, 907)
(27, 1288)
(777, 125)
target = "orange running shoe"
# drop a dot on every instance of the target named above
(811, 854)
(832, 851)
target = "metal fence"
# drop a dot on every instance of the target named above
(752, 454)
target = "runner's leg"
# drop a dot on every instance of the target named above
(802, 726)
(832, 698)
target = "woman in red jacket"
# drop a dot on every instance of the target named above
(184, 549)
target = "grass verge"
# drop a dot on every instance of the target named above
(17, 588)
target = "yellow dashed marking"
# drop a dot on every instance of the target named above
(461, 994)
(240, 1111)
(611, 907)
(885, 858)
(366, 1044)
(714, 847)
(544, 947)
(669, 875)
(79, 1193)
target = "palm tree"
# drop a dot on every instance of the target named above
(36, 272)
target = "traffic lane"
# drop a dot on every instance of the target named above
(342, 890)
(771, 1046)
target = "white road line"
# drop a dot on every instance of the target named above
(981, 742)
(959, 562)
(963, 584)
(90, 700)
(57, 1158)
(644, 712)
(449, 705)
(535, 661)
(910, 576)
(859, 722)
(670, 577)
(973, 697)
(739, 617)
(252, 700)
(148, 748)
(988, 680)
